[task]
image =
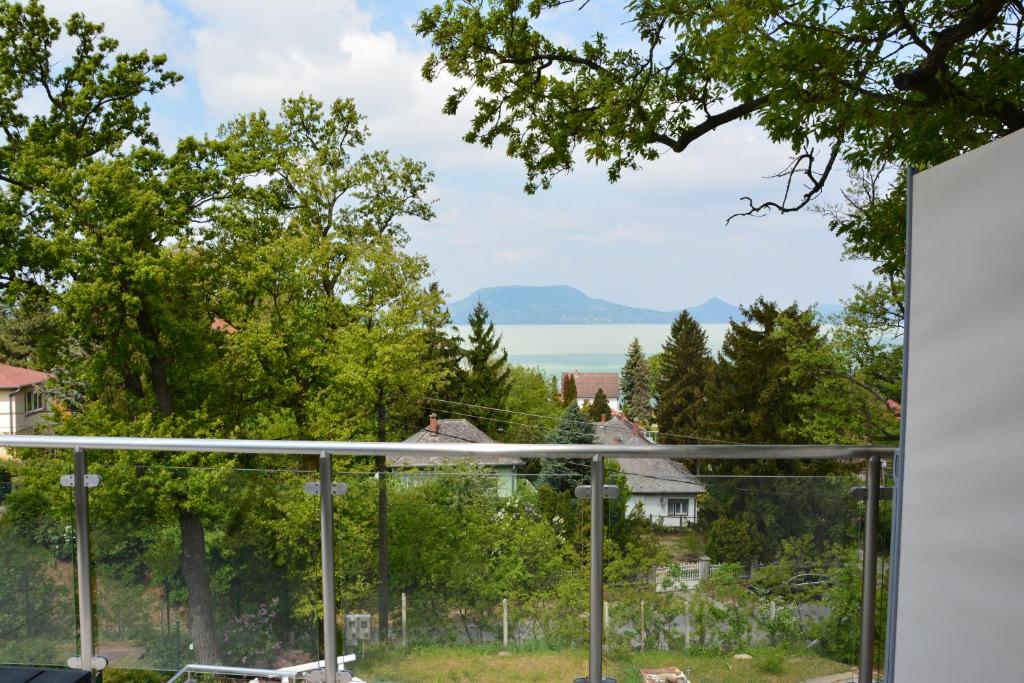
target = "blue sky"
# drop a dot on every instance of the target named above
(657, 238)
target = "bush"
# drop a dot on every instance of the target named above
(771, 662)
(730, 540)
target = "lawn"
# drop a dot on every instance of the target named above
(487, 665)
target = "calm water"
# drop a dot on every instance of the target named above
(588, 348)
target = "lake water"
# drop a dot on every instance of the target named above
(588, 348)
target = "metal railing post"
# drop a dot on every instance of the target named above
(596, 567)
(327, 569)
(86, 651)
(867, 615)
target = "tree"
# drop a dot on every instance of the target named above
(636, 385)
(599, 410)
(565, 474)
(487, 369)
(329, 272)
(851, 376)
(752, 398)
(840, 84)
(569, 390)
(684, 368)
(533, 409)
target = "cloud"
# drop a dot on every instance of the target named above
(136, 24)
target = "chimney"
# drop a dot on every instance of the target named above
(432, 427)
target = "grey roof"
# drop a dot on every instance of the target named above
(658, 475)
(451, 431)
(618, 432)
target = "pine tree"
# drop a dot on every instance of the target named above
(685, 366)
(636, 385)
(600, 407)
(569, 390)
(487, 380)
(561, 474)
(753, 396)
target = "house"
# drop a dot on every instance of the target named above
(587, 384)
(23, 401)
(456, 431)
(665, 489)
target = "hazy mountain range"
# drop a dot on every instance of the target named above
(562, 305)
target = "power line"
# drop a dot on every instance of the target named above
(692, 437)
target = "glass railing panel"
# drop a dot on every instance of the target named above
(755, 578)
(494, 579)
(205, 559)
(38, 610)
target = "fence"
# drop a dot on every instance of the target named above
(326, 488)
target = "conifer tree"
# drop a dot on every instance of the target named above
(569, 391)
(561, 474)
(600, 407)
(487, 380)
(636, 384)
(753, 398)
(685, 366)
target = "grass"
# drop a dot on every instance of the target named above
(487, 665)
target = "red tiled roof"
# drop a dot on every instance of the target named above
(13, 378)
(222, 325)
(587, 383)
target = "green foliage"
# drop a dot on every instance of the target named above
(840, 85)
(752, 396)
(33, 606)
(488, 374)
(683, 370)
(771, 663)
(635, 384)
(600, 408)
(569, 394)
(531, 394)
(730, 540)
(839, 631)
(849, 377)
(565, 474)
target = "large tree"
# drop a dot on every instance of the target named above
(487, 380)
(684, 367)
(564, 474)
(321, 269)
(752, 397)
(635, 384)
(840, 83)
(600, 410)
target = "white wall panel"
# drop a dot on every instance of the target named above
(960, 606)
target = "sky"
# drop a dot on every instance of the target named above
(656, 239)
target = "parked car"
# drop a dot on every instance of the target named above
(802, 584)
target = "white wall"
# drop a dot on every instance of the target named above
(612, 402)
(656, 508)
(960, 601)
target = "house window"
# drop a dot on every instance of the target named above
(34, 400)
(679, 507)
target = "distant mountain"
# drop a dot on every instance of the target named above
(561, 305)
(714, 310)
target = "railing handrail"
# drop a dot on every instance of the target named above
(451, 450)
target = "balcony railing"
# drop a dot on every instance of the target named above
(326, 487)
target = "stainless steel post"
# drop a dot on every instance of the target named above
(327, 569)
(596, 567)
(867, 601)
(82, 563)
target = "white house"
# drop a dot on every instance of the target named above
(456, 431)
(23, 401)
(665, 489)
(587, 384)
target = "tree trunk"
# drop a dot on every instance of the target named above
(383, 569)
(200, 598)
